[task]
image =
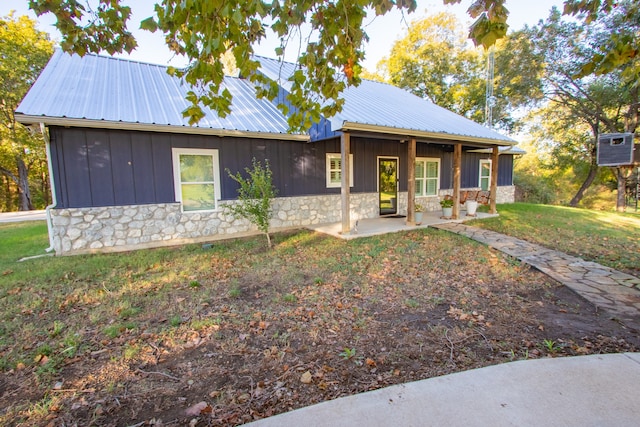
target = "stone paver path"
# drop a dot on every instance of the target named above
(616, 292)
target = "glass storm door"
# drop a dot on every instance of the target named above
(388, 185)
(485, 175)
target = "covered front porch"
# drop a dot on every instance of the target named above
(383, 225)
(410, 140)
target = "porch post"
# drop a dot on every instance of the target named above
(345, 195)
(494, 179)
(457, 166)
(411, 182)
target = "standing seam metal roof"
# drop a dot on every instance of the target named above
(100, 88)
(104, 88)
(380, 104)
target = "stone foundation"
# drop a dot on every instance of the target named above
(505, 194)
(119, 228)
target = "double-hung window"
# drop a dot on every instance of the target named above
(196, 174)
(485, 174)
(427, 176)
(334, 170)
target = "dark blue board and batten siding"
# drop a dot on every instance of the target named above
(112, 167)
(96, 167)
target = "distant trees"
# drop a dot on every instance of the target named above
(24, 51)
(435, 61)
(581, 106)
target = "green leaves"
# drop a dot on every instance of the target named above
(149, 24)
(24, 51)
(86, 29)
(255, 196)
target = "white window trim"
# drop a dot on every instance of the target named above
(328, 170)
(483, 161)
(430, 159)
(177, 183)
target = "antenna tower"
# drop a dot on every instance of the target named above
(490, 100)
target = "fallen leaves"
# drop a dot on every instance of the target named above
(306, 378)
(230, 361)
(198, 409)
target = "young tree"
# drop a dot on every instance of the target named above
(255, 196)
(24, 51)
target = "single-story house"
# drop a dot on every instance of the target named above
(128, 171)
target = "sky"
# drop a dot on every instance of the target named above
(382, 31)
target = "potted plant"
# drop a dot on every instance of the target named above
(472, 206)
(447, 207)
(419, 210)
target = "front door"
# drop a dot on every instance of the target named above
(388, 185)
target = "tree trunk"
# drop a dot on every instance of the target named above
(593, 171)
(622, 174)
(23, 185)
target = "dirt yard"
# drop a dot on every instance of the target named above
(310, 322)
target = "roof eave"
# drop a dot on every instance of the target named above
(346, 126)
(506, 150)
(149, 127)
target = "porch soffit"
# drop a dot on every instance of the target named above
(469, 143)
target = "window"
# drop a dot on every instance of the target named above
(485, 174)
(334, 170)
(427, 176)
(196, 174)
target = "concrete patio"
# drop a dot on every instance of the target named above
(383, 225)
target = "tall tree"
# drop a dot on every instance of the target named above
(434, 60)
(203, 30)
(24, 50)
(620, 48)
(605, 103)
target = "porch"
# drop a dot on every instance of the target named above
(391, 224)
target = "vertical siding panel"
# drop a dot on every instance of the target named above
(122, 168)
(142, 168)
(57, 164)
(76, 166)
(505, 169)
(162, 164)
(99, 160)
(228, 160)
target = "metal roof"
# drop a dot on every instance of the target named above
(373, 105)
(104, 91)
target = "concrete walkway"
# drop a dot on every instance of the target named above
(611, 290)
(597, 390)
(23, 216)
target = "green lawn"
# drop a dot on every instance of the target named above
(609, 238)
(21, 239)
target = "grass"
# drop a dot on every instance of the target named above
(55, 311)
(18, 240)
(609, 238)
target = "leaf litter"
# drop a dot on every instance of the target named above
(314, 319)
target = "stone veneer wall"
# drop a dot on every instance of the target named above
(506, 194)
(117, 228)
